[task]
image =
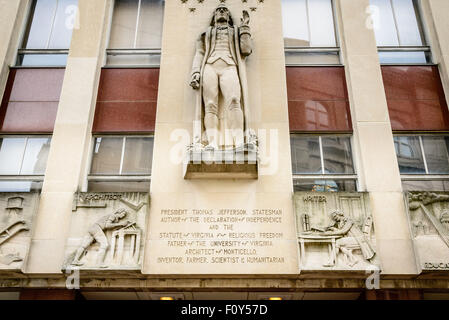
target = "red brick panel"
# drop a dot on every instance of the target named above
(415, 97)
(30, 101)
(318, 99)
(126, 101)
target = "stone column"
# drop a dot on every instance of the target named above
(437, 23)
(373, 140)
(11, 19)
(71, 138)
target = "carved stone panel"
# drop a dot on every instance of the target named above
(107, 231)
(17, 211)
(429, 220)
(335, 231)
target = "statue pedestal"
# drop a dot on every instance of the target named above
(221, 164)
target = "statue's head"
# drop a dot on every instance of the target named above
(337, 215)
(222, 14)
(120, 213)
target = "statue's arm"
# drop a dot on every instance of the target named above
(197, 62)
(246, 42)
(110, 224)
(341, 232)
(199, 54)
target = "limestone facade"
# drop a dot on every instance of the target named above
(244, 232)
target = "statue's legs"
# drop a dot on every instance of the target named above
(341, 245)
(231, 91)
(210, 97)
(87, 241)
(100, 237)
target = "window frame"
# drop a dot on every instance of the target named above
(323, 176)
(425, 48)
(422, 176)
(129, 51)
(37, 178)
(117, 177)
(317, 49)
(22, 51)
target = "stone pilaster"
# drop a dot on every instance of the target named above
(11, 19)
(68, 155)
(373, 140)
(174, 121)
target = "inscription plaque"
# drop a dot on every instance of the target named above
(222, 240)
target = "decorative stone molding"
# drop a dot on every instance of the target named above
(335, 231)
(107, 231)
(429, 220)
(17, 211)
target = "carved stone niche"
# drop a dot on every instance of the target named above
(107, 231)
(221, 164)
(17, 212)
(335, 231)
(429, 220)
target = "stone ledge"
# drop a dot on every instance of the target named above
(219, 284)
(221, 164)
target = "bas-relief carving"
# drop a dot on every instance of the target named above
(107, 231)
(335, 231)
(222, 108)
(429, 217)
(17, 211)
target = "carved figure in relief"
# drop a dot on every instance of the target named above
(96, 233)
(352, 237)
(422, 200)
(16, 225)
(425, 198)
(219, 71)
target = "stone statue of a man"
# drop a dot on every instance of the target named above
(218, 73)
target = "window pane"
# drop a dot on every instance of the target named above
(293, 58)
(436, 151)
(308, 23)
(42, 60)
(40, 26)
(11, 153)
(325, 185)
(407, 23)
(134, 59)
(107, 156)
(425, 185)
(61, 34)
(305, 155)
(385, 28)
(119, 186)
(138, 156)
(294, 21)
(36, 154)
(20, 186)
(149, 33)
(337, 155)
(124, 20)
(405, 57)
(409, 155)
(321, 23)
(396, 25)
